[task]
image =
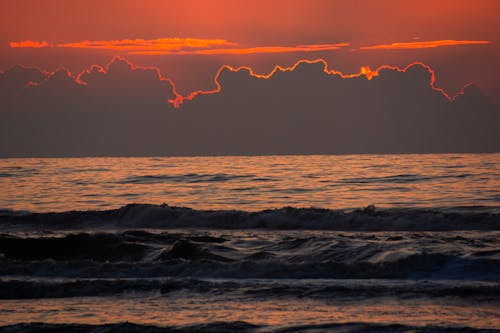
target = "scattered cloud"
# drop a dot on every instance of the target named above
(183, 46)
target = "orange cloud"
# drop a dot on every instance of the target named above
(29, 43)
(128, 45)
(179, 46)
(424, 44)
(252, 50)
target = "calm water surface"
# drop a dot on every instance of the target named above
(252, 183)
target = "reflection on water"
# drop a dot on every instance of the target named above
(187, 309)
(252, 183)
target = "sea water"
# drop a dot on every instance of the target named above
(252, 183)
(371, 243)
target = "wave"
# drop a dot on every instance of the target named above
(253, 254)
(413, 267)
(134, 245)
(257, 289)
(231, 327)
(287, 218)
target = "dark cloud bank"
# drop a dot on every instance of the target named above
(125, 112)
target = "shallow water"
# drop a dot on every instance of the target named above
(178, 310)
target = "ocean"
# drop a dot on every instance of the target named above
(322, 243)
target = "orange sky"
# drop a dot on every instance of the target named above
(189, 40)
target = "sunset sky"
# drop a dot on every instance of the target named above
(190, 40)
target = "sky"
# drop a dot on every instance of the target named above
(189, 40)
(151, 77)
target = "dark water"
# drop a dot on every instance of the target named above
(425, 259)
(250, 280)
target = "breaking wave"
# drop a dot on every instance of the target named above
(287, 218)
(253, 254)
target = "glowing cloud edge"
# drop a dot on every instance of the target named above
(179, 99)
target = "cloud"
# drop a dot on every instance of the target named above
(116, 109)
(129, 45)
(423, 44)
(183, 46)
(125, 110)
(178, 46)
(365, 72)
(254, 50)
(29, 44)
